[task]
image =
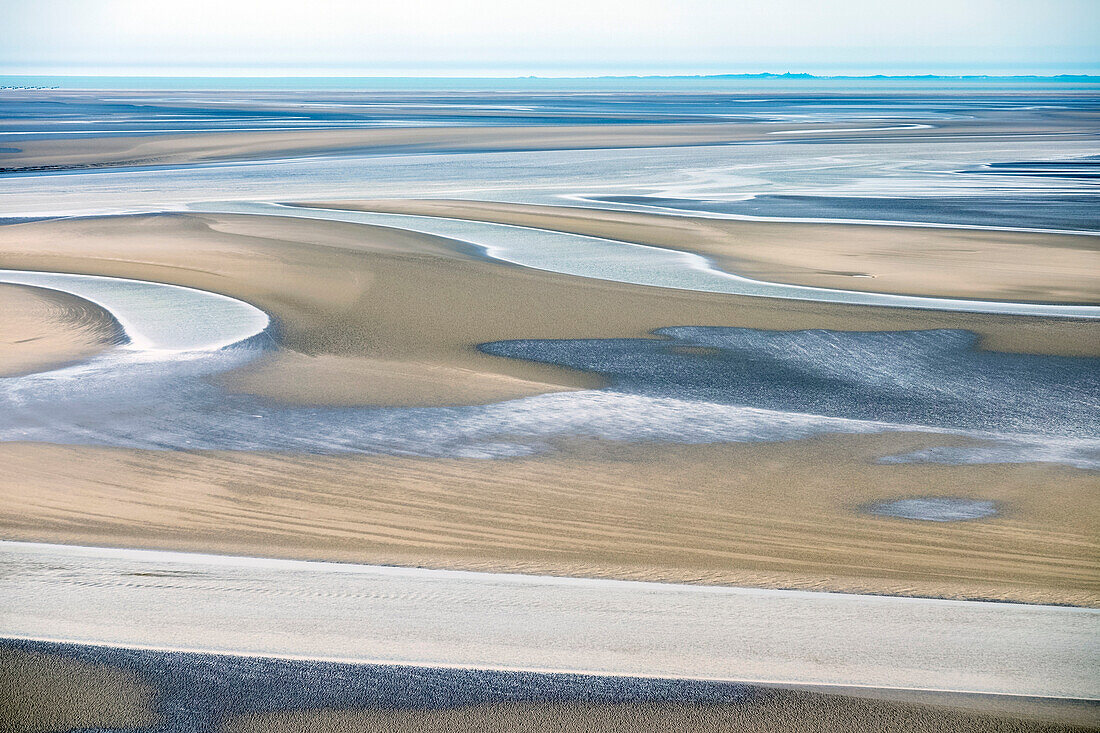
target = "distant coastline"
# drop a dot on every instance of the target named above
(803, 75)
(763, 81)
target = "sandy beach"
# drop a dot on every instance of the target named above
(46, 329)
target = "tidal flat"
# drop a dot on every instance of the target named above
(832, 346)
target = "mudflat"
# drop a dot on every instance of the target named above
(380, 316)
(44, 691)
(240, 695)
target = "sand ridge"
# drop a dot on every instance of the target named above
(774, 515)
(903, 260)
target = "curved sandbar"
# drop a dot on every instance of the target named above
(362, 613)
(44, 329)
(156, 316)
(957, 265)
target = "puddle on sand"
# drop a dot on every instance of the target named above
(935, 509)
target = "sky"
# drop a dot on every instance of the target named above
(547, 37)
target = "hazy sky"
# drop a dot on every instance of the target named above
(547, 37)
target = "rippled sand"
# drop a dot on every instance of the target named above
(780, 515)
(46, 329)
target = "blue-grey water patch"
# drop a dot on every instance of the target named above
(1080, 168)
(935, 509)
(199, 692)
(936, 378)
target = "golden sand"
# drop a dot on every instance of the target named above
(779, 515)
(45, 329)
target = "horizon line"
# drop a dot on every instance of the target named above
(737, 75)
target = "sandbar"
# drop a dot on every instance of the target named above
(46, 329)
(378, 316)
(905, 260)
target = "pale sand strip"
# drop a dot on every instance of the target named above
(779, 515)
(46, 329)
(362, 613)
(941, 262)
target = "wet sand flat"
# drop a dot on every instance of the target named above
(178, 149)
(242, 694)
(777, 515)
(378, 316)
(354, 613)
(45, 329)
(939, 261)
(765, 711)
(50, 692)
